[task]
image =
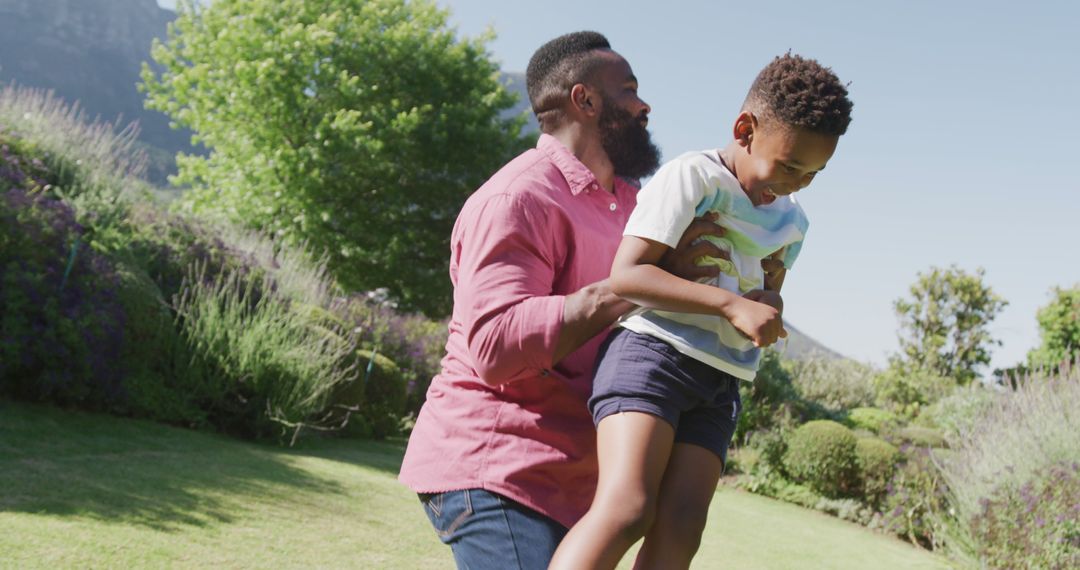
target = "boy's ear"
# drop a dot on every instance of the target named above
(745, 125)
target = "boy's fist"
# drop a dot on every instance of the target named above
(760, 320)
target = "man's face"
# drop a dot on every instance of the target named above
(782, 160)
(623, 121)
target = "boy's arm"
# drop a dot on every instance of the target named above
(636, 278)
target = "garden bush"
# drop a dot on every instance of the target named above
(1033, 525)
(877, 460)
(874, 420)
(836, 383)
(821, 454)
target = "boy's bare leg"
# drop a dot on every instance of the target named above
(633, 449)
(688, 488)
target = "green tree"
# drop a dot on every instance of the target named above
(944, 325)
(1059, 329)
(356, 127)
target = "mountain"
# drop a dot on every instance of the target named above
(515, 83)
(91, 51)
(801, 346)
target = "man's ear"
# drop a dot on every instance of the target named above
(743, 131)
(584, 101)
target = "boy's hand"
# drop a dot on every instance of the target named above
(759, 321)
(682, 261)
(770, 298)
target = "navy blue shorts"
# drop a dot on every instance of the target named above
(640, 373)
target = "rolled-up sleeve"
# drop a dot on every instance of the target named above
(508, 258)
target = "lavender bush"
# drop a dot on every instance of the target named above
(414, 342)
(1023, 446)
(1034, 525)
(60, 321)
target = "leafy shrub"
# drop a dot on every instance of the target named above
(821, 454)
(877, 460)
(742, 461)
(771, 446)
(958, 412)
(1059, 329)
(920, 437)
(1034, 525)
(837, 384)
(377, 394)
(152, 356)
(906, 391)
(764, 481)
(1022, 438)
(845, 509)
(767, 400)
(874, 420)
(916, 500)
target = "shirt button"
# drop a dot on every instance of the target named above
(613, 206)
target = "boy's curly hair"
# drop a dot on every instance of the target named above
(801, 92)
(556, 67)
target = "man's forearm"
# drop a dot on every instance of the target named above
(586, 313)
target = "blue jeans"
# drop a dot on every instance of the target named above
(489, 531)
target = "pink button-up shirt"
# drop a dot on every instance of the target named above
(500, 416)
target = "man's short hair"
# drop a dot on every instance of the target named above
(800, 92)
(556, 67)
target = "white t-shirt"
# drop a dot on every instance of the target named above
(690, 186)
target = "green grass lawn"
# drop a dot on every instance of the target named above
(83, 490)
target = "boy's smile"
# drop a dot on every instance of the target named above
(772, 160)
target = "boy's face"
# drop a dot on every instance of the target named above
(778, 160)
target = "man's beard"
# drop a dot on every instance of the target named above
(627, 142)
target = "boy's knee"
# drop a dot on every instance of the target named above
(684, 524)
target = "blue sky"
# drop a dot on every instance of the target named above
(961, 151)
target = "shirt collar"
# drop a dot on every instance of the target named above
(577, 175)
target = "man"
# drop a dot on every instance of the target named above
(503, 451)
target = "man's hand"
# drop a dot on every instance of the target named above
(682, 261)
(774, 269)
(759, 321)
(770, 298)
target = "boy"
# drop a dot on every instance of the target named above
(665, 395)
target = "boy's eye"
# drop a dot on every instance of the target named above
(789, 169)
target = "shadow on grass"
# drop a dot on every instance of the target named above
(64, 463)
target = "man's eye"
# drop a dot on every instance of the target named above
(789, 169)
